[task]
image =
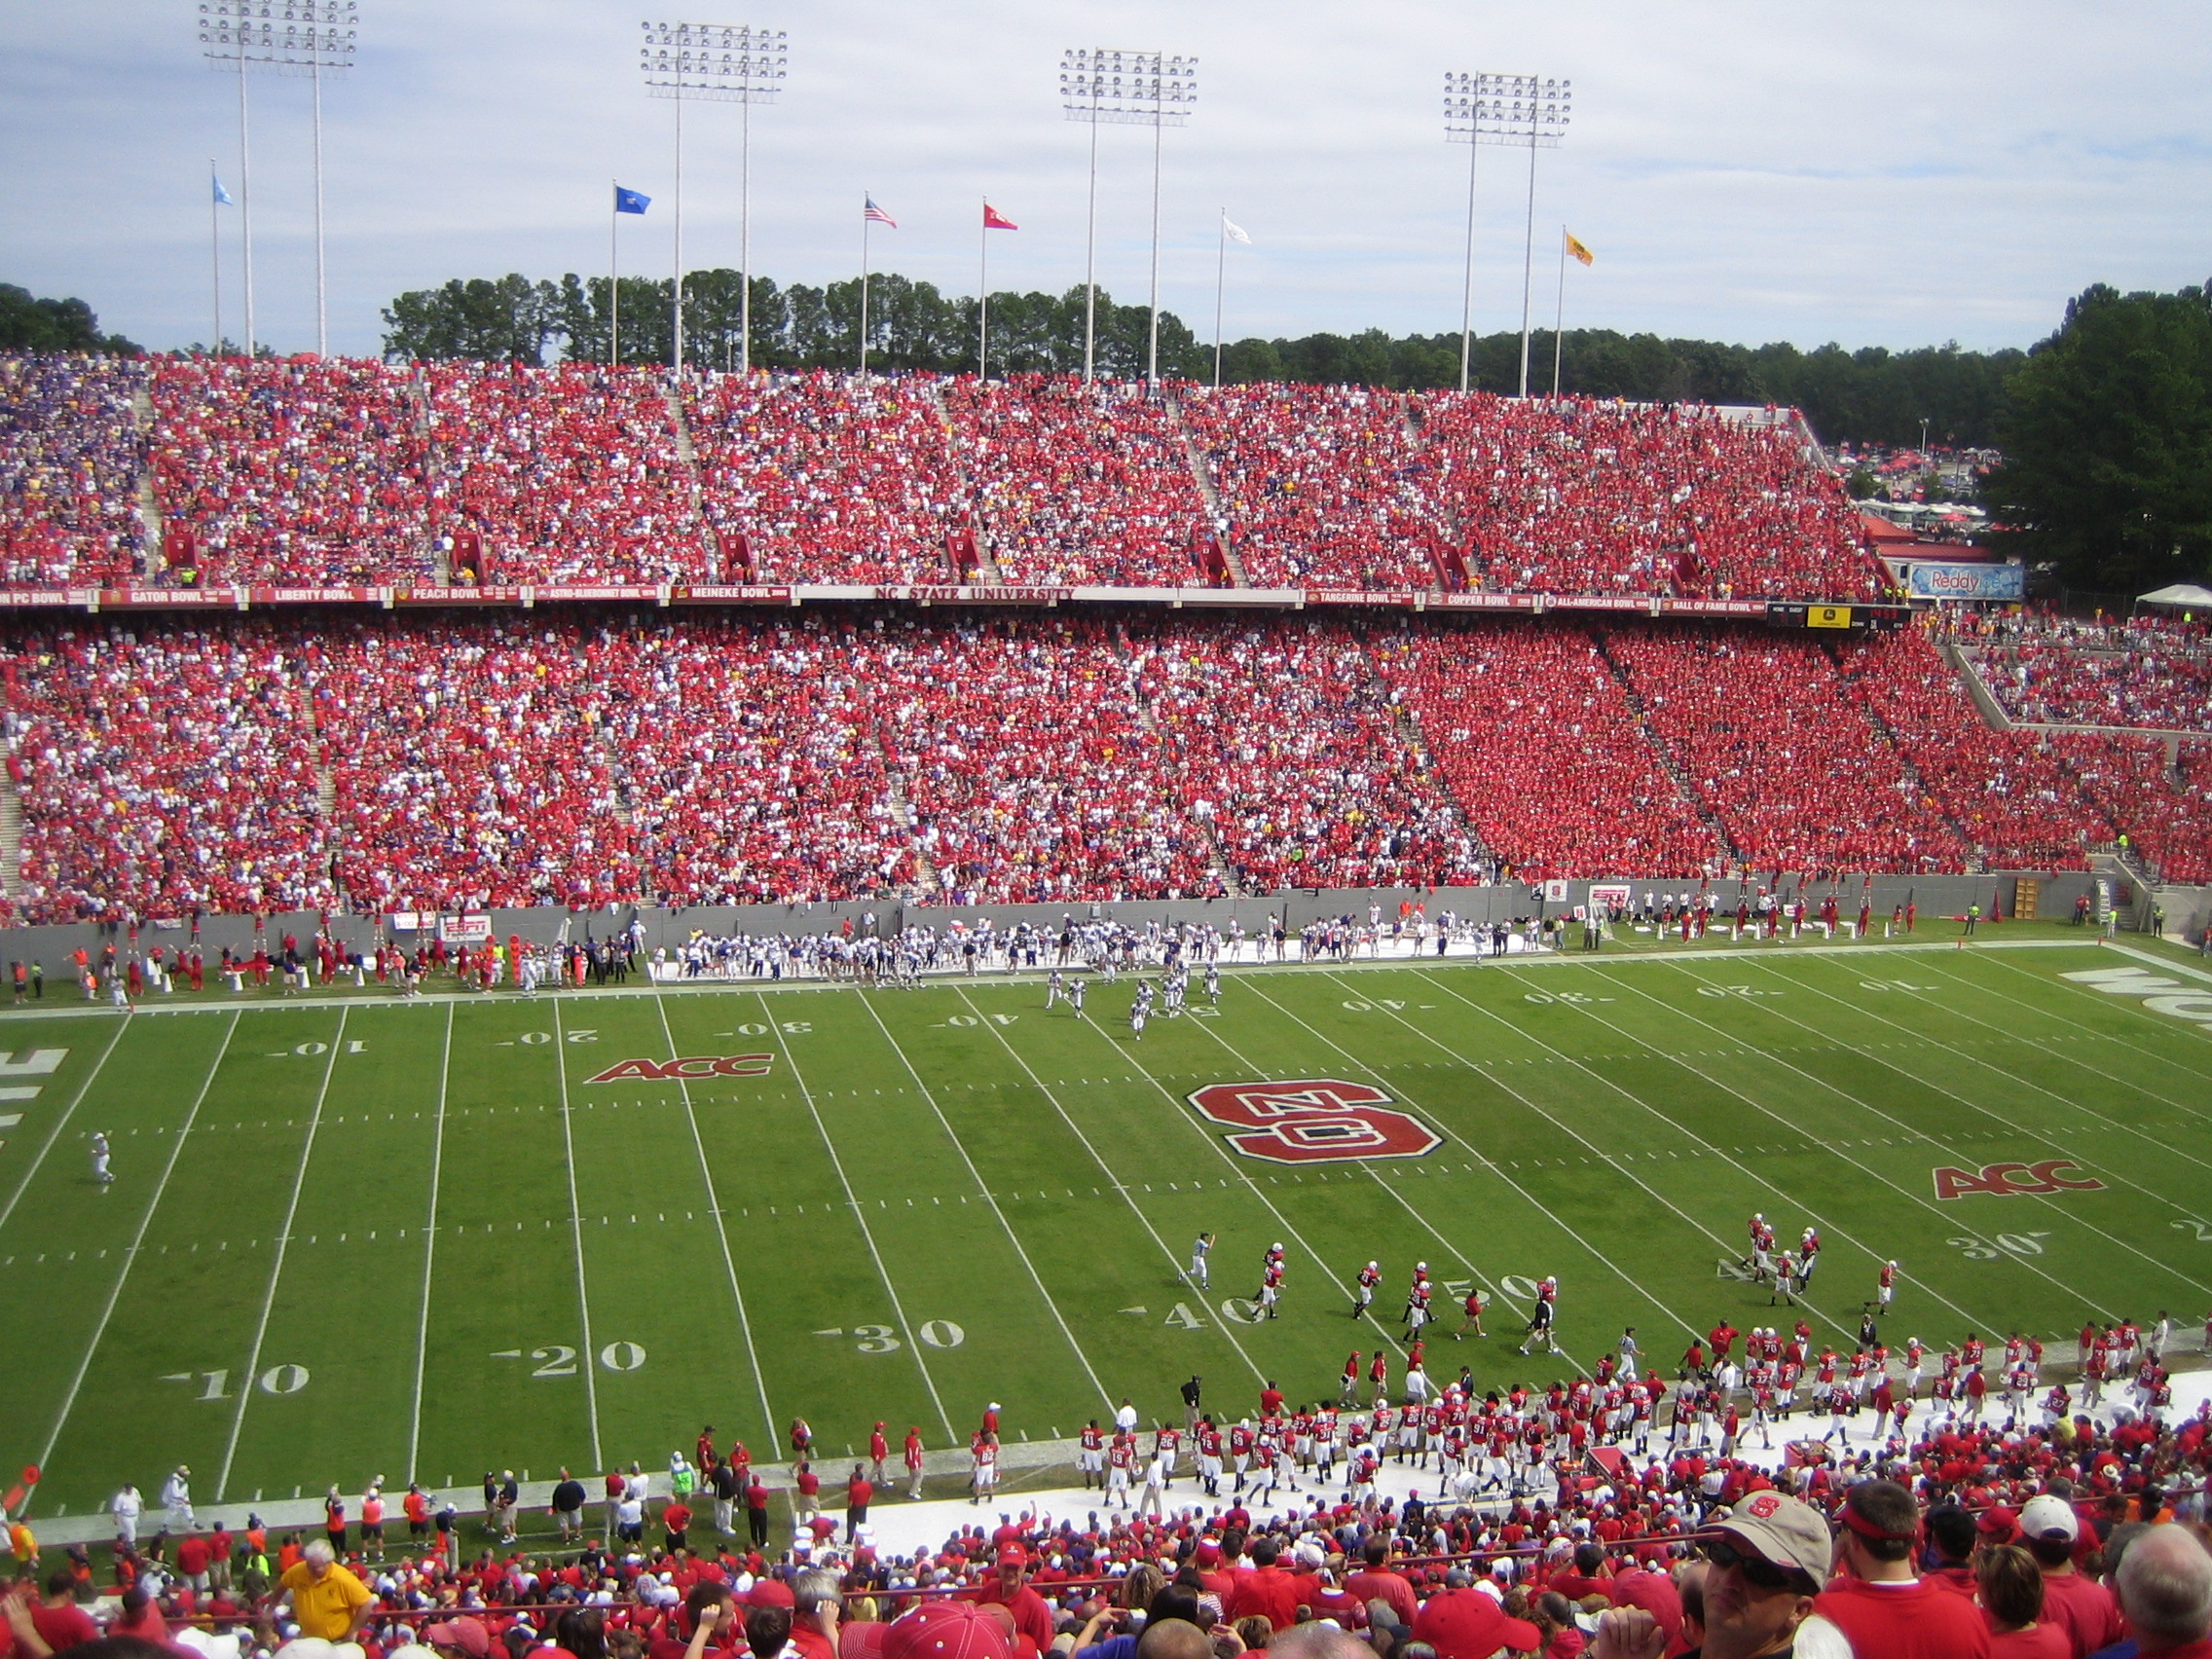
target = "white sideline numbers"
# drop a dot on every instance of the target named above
(216, 1385)
(881, 1339)
(2013, 1243)
(559, 1359)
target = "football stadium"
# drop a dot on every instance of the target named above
(846, 973)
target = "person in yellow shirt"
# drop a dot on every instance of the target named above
(327, 1600)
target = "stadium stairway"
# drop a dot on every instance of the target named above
(149, 504)
(1969, 671)
(1673, 768)
(689, 456)
(11, 840)
(1212, 498)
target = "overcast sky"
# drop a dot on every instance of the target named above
(1873, 173)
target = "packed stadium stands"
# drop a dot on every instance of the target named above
(389, 761)
(2149, 671)
(306, 473)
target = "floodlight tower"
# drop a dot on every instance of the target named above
(292, 37)
(1483, 108)
(1125, 89)
(716, 63)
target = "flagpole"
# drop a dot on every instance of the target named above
(1529, 259)
(745, 232)
(245, 196)
(215, 257)
(676, 357)
(1220, 275)
(613, 283)
(864, 288)
(1090, 258)
(322, 309)
(1152, 352)
(1467, 288)
(1559, 320)
(984, 296)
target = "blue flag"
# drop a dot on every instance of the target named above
(631, 201)
(222, 196)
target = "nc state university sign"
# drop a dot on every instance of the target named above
(695, 1069)
(1314, 1121)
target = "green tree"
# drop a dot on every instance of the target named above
(499, 319)
(2107, 435)
(28, 324)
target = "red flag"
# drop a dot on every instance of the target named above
(994, 220)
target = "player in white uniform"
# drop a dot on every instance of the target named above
(101, 1173)
(1054, 988)
(1201, 1247)
(1213, 984)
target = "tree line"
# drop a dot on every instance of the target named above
(2105, 427)
(1872, 395)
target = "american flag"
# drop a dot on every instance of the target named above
(877, 215)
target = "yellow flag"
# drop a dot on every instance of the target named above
(1579, 252)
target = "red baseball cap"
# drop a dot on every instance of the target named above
(1999, 1525)
(467, 1635)
(1013, 1555)
(951, 1630)
(862, 1641)
(1467, 1624)
(771, 1593)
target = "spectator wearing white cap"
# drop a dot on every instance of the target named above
(2084, 1610)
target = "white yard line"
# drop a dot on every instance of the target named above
(722, 1226)
(2095, 997)
(1118, 1185)
(277, 1266)
(853, 1203)
(1366, 1167)
(804, 986)
(138, 1241)
(576, 1232)
(1244, 1175)
(1867, 1169)
(929, 1097)
(61, 1123)
(1727, 1249)
(431, 1249)
(1391, 1085)
(2023, 1130)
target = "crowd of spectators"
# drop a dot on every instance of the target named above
(291, 472)
(2041, 1531)
(1079, 484)
(1531, 732)
(163, 772)
(1772, 741)
(2007, 795)
(1572, 495)
(2149, 671)
(71, 457)
(568, 474)
(828, 477)
(1320, 486)
(389, 763)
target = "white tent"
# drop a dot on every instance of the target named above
(2180, 593)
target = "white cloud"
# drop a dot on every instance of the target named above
(1874, 173)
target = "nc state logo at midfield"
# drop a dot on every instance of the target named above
(694, 1069)
(1314, 1121)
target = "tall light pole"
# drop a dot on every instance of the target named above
(1483, 108)
(718, 63)
(292, 37)
(1125, 89)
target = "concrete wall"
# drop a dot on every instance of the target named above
(1935, 895)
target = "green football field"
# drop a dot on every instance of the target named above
(355, 1236)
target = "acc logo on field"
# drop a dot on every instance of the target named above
(691, 1070)
(1314, 1121)
(2007, 1178)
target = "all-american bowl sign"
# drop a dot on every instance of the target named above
(1314, 1121)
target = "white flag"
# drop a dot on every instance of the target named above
(1235, 233)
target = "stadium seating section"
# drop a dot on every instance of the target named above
(314, 473)
(383, 762)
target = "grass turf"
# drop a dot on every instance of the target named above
(356, 1237)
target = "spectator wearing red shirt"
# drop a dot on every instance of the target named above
(1266, 1592)
(1377, 1582)
(1879, 1601)
(2080, 1607)
(858, 1490)
(1009, 1588)
(60, 1622)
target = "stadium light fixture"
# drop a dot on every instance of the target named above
(715, 63)
(290, 37)
(1125, 89)
(1516, 110)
